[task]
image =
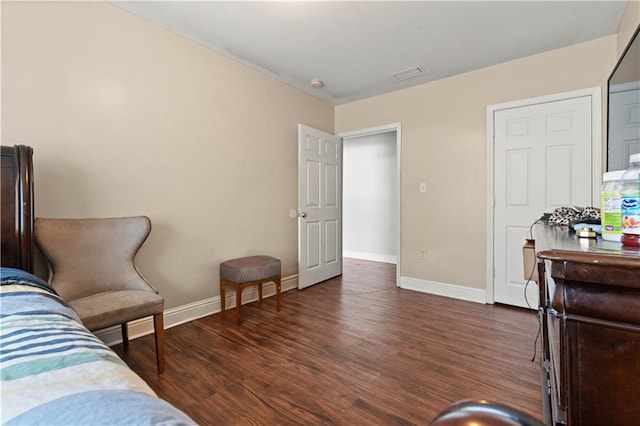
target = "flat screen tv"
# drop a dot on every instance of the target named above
(623, 118)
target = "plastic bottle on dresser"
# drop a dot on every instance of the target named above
(610, 217)
(630, 205)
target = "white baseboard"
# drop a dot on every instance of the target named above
(192, 311)
(374, 257)
(442, 289)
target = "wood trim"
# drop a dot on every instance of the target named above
(17, 207)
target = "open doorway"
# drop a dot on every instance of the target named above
(371, 195)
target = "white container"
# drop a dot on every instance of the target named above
(630, 207)
(610, 215)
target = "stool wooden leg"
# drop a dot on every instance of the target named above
(239, 289)
(260, 292)
(223, 298)
(278, 290)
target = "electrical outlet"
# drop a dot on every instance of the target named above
(423, 187)
(423, 254)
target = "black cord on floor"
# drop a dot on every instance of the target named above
(526, 286)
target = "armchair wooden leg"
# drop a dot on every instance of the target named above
(158, 325)
(125, 336)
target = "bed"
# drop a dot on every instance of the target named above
(53, 370)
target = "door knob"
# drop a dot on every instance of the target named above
(303, 214)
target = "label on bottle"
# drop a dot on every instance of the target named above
(630, 209)
(611, 213)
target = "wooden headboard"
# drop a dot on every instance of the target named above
(17, 207)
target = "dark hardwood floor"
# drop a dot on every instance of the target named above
(352, 350)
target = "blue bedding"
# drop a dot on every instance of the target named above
(54, 371)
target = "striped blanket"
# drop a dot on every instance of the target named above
(54, 371)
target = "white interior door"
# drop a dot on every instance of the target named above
(319, 206)
(542, 160)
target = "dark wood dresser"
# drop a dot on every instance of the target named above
(590, 319)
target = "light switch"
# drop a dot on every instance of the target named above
(423, 187)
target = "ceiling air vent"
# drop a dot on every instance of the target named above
(408, 73)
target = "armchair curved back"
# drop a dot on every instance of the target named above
(90, 256)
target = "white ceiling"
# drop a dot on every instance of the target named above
(355, 47)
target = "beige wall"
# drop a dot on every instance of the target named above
(628, 24)
(444, 144)
(126, 118)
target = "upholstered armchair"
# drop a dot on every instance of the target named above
(91, 266)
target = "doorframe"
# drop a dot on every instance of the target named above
(596, 159)
(397, 127)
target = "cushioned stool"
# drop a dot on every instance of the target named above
(246, 271)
